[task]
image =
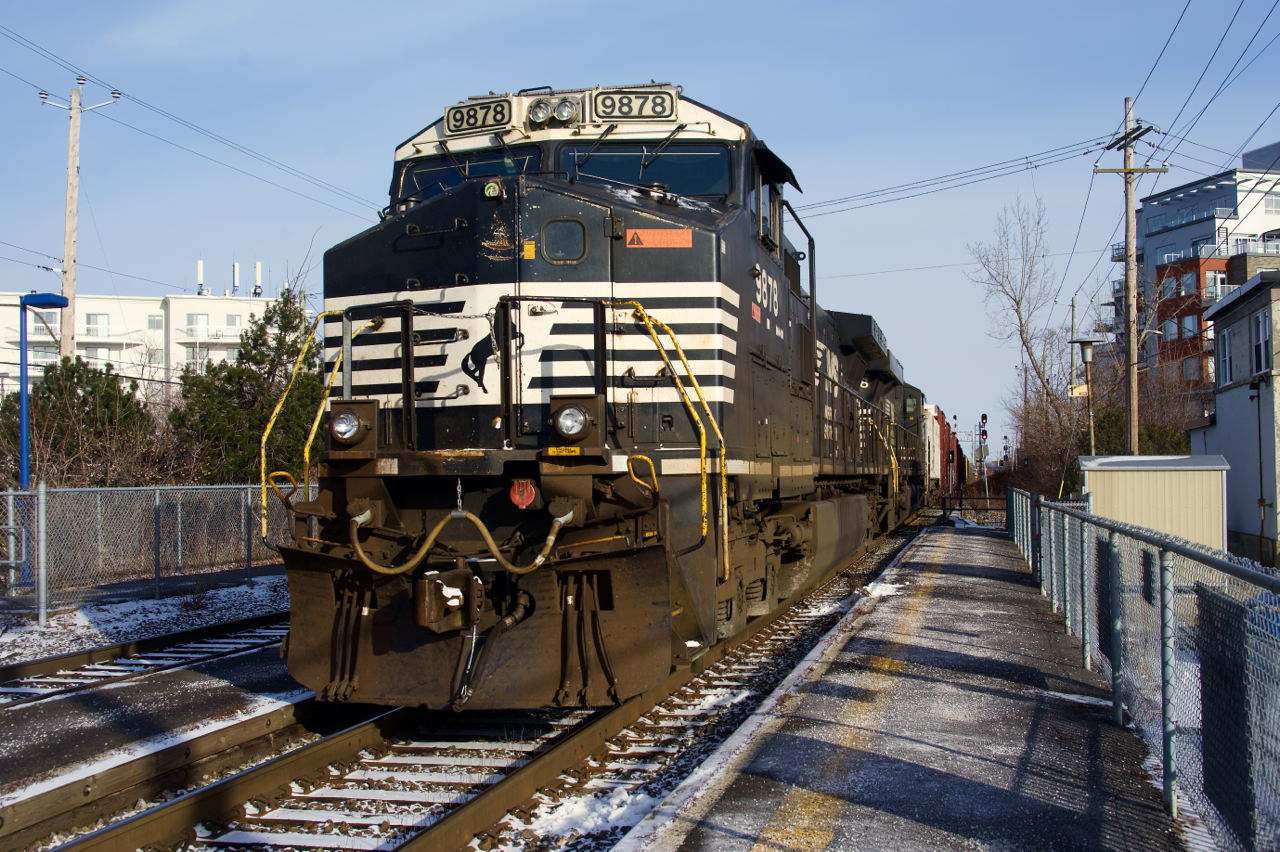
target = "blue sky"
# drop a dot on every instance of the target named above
(855, 96)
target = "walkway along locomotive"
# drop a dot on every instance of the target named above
(591, 420)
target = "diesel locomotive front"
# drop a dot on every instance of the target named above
(587, 417)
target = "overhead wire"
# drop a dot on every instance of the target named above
(32, 46)
(228, 165)
(1162, 50)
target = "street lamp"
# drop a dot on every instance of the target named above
(1086, 355)
(41, 301)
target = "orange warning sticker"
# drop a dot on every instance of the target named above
(659, 238)
(755, 311)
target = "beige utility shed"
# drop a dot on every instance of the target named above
(1184, 496)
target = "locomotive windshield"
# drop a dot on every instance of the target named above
(683, 169)
(428, 177)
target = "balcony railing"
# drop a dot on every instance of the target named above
(1214, 292)
(1117, 253)
(1255, 247)
(1156, 224)
(211, 332)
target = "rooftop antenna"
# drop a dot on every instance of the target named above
(199, 277)
(257, 279)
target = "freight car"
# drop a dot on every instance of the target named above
(587, 416)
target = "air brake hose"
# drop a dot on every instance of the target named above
(367, 515)
(477, 673)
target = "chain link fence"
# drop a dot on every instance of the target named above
(1190, 639)
(62, 545)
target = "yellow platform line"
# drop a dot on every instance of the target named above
(807, 818)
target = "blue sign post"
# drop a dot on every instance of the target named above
(40, 301)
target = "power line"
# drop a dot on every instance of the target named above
(920, 268)
(29, 263)
(52, 57)
(113, 372)
(1162, 50)
(1009, 166)
(87, 266)
(229, 166)
(32, 251)
(20, 79)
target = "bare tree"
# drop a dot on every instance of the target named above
(1019, 287)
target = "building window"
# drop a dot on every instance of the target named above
(197, 356)
(1170, 330)
(1187, 284)
(155, 357)
(1224, 357)
(96, 325)
(1273, 202)
(1191, 369)
(42, 329)
(155, 322)
(1190, 326)
(1215, 285)
(1260, 341)
(97, 356)
(198, 325)
(233, 354)
(44, 355)
(233, 320)
(1168, 287)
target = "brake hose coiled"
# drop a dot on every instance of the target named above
(367, 515)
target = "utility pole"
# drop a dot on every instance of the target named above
(67, 328)
(1132, 133)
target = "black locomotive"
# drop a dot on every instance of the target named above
(590, 418)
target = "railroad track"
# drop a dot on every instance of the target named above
(37, 680)
(414, 780)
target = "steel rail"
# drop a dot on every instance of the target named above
(172, 823)
(63, 807)
(70, 662)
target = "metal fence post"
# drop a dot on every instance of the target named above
(42, 563)
(99, 542)
(13, 541)
(1053, 568)
(179, 511)
(1035, 541)
(157, 543)
(248, 535)
(1166, 680)
(1085, 632)
(1117, 634)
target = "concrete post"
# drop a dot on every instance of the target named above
(1117, 633)
(42, 563)
(1167, 714)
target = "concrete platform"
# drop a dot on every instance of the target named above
(954, 716)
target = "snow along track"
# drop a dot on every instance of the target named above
(411, 780)
(36, 680)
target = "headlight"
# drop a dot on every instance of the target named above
(566, 110)
(571, 421)
(540, 112)
(345, 426)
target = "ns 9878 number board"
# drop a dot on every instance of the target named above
(653, 105)
(469, 118)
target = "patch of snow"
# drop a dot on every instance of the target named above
(692, 643)
(1087, 700)
(255, 705)
(884, 589)
(590, 814)
(452, 596)
(95, 624)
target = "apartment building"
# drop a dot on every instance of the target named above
(150, 338)
(1189, 239)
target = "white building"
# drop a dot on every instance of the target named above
(1243, 427)
(144, 337)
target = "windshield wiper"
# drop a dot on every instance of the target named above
(662, 146)
(577, 167)
(461, 171)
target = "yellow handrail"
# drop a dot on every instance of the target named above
(893, 457)
(653, 473)
(649, 322)
(266, 433)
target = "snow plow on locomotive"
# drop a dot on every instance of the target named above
(586, 418)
